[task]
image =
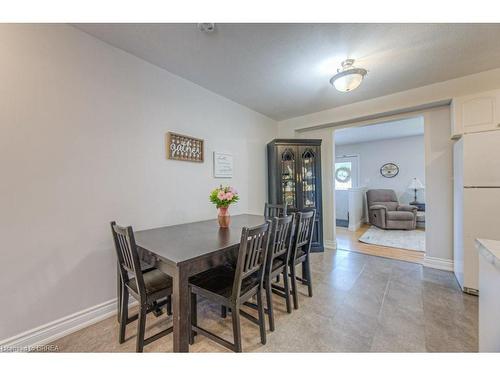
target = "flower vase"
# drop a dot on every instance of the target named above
(224, 217)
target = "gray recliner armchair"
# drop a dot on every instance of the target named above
(385, 211)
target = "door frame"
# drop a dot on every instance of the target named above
(424, 113)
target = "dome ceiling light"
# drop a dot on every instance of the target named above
(348, 77)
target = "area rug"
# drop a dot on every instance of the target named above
(403, 239)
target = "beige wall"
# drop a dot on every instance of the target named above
(82, 128)
(327, 149)
(439, 184)
(439, 193)
(438, 181)
(406, 99)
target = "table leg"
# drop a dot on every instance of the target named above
(181, 311)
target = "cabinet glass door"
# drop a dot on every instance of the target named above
(288, 181)
(308, 178)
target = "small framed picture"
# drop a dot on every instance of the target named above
(223, 165)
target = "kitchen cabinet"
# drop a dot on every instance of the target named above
(475, 113)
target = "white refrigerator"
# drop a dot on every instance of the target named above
(476, 165)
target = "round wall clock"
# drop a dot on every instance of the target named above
(389, 170)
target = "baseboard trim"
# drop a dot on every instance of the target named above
(330, 245)
(438, 263)
(49, 332)
(354, 227)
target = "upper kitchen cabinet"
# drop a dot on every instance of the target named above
(475, 113)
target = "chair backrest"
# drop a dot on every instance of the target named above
(384, 197)
(128, 257)
(280, 244)
(251, 256)
(304, 230)
(274, 210)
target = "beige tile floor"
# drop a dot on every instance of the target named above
(361, 303)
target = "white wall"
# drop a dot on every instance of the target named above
(408, 153)
(82, 128)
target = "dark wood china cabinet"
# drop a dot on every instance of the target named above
(294, 178)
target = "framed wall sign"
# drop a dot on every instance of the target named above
(223, 165)
(183, 147)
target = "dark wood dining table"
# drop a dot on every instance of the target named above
(184, 250)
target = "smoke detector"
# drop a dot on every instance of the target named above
(206, 27)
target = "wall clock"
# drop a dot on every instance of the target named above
(389, 170)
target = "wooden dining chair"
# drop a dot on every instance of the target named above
(274, 210)
(301, 249)
(233, 286)
(152, 289)
(277, 263)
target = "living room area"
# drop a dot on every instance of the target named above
(379, 195)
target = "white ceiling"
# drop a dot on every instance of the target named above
(385, 130)
(283, 70)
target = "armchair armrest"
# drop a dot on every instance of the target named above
(377, 214)
(378, 207)
(407, 207)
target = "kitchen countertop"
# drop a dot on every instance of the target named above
(490, 249)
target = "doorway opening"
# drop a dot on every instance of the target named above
(379, 180)
(346, 176)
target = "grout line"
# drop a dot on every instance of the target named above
(383, 298)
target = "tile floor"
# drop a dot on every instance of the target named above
(361, 303)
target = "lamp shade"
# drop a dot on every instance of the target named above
(416, 184)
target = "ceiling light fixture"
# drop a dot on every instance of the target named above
(348, 77)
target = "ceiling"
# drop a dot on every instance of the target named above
(283, 70)
(385, 130)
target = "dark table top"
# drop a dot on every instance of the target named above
(179, 243)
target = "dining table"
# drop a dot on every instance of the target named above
(184, 250)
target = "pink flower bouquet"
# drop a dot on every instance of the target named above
(224, 196)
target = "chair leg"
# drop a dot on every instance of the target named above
(236, 328)
(269, 300)
(262, 320)
(119, 291)
(287, 290)
(194, 318)
(294, 287)
(309, 277)
(169, 305)
(141, 328)
(123, 314)
(223, 312)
